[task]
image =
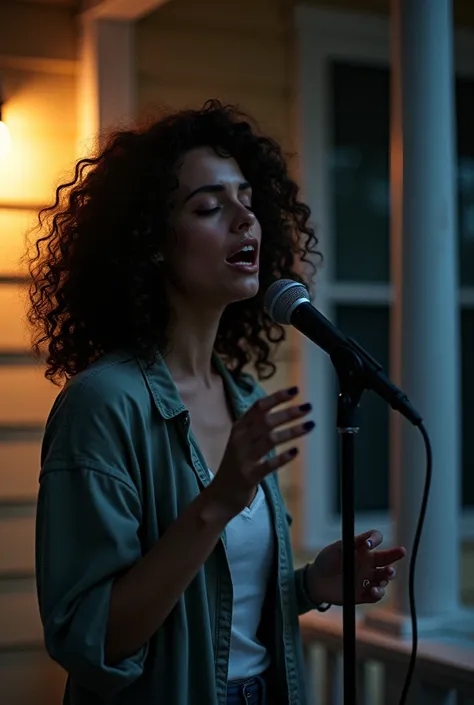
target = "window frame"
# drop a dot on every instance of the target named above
(324, 35)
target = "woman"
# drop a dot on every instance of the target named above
(164, 563)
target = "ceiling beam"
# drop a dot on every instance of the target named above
(120, 9)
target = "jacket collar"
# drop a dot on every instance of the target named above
(242, 393)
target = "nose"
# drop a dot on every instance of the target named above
(243, 221)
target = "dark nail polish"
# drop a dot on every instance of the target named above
(293, 452)
(309, 425)
(293, 391)
(305, 407)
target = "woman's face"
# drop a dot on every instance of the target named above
(215, 261)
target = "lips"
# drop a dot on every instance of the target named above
(245, 255)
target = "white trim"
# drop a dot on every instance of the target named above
(360, 294)
(120, 9)
(361, 35)
(376, 294)
(322, 35)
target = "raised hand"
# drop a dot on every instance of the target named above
(256, 434)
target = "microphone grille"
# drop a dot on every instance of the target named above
(282, 297)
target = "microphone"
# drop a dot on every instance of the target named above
(288, 302)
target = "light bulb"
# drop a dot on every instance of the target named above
(5, 140)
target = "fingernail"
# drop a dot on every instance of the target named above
(305, 407)
(308, 425)
(370, 544)
(293, 391)
(392, 572)
(293, 452)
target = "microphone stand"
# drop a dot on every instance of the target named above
(350, 372)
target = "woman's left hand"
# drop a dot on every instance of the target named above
(373, 570)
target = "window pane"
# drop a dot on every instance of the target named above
(467, 327)
(465, 134)
(369, 325)
(359, 171)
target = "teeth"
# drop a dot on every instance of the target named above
(246, 248)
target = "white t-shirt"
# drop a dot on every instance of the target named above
(250, 552)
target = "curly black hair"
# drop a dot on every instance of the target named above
(96, 284)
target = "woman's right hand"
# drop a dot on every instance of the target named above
(253, 437)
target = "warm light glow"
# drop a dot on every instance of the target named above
(14, 224)
(5, 140)
(43, 143)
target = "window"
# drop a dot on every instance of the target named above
(345, 103)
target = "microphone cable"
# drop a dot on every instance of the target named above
(411, 579)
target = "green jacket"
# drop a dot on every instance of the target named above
(119, 464)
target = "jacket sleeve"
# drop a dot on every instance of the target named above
(86, 534)
(303, 600)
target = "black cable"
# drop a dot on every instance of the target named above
(411, 579)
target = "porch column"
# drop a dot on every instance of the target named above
(106, 77)
(425, 315)
(107, 67)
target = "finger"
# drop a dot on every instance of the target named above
(380, 578)
(270, 421)
(382, 584)
(276, 438)
(368, 540)
(265, 404)
(388, 556)
(268, 466)
(278, 418)
(289, 434)
(372, 593)
(376, 594)
(388, 572)
(383, 574)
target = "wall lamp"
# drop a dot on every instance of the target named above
(5, 139)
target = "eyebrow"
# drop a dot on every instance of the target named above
(216, 188)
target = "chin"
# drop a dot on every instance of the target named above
(244, 290)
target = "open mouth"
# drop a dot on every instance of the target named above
(246, 256)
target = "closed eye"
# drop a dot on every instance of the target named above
(207, 211)
(203, 212)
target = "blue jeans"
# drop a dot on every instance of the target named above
(252, 691)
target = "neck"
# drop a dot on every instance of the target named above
(191, 343)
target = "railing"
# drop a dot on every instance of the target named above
(444, 672)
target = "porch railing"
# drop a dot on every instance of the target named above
(444, 672)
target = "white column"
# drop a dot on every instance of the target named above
(425, 323)
(106, 95)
